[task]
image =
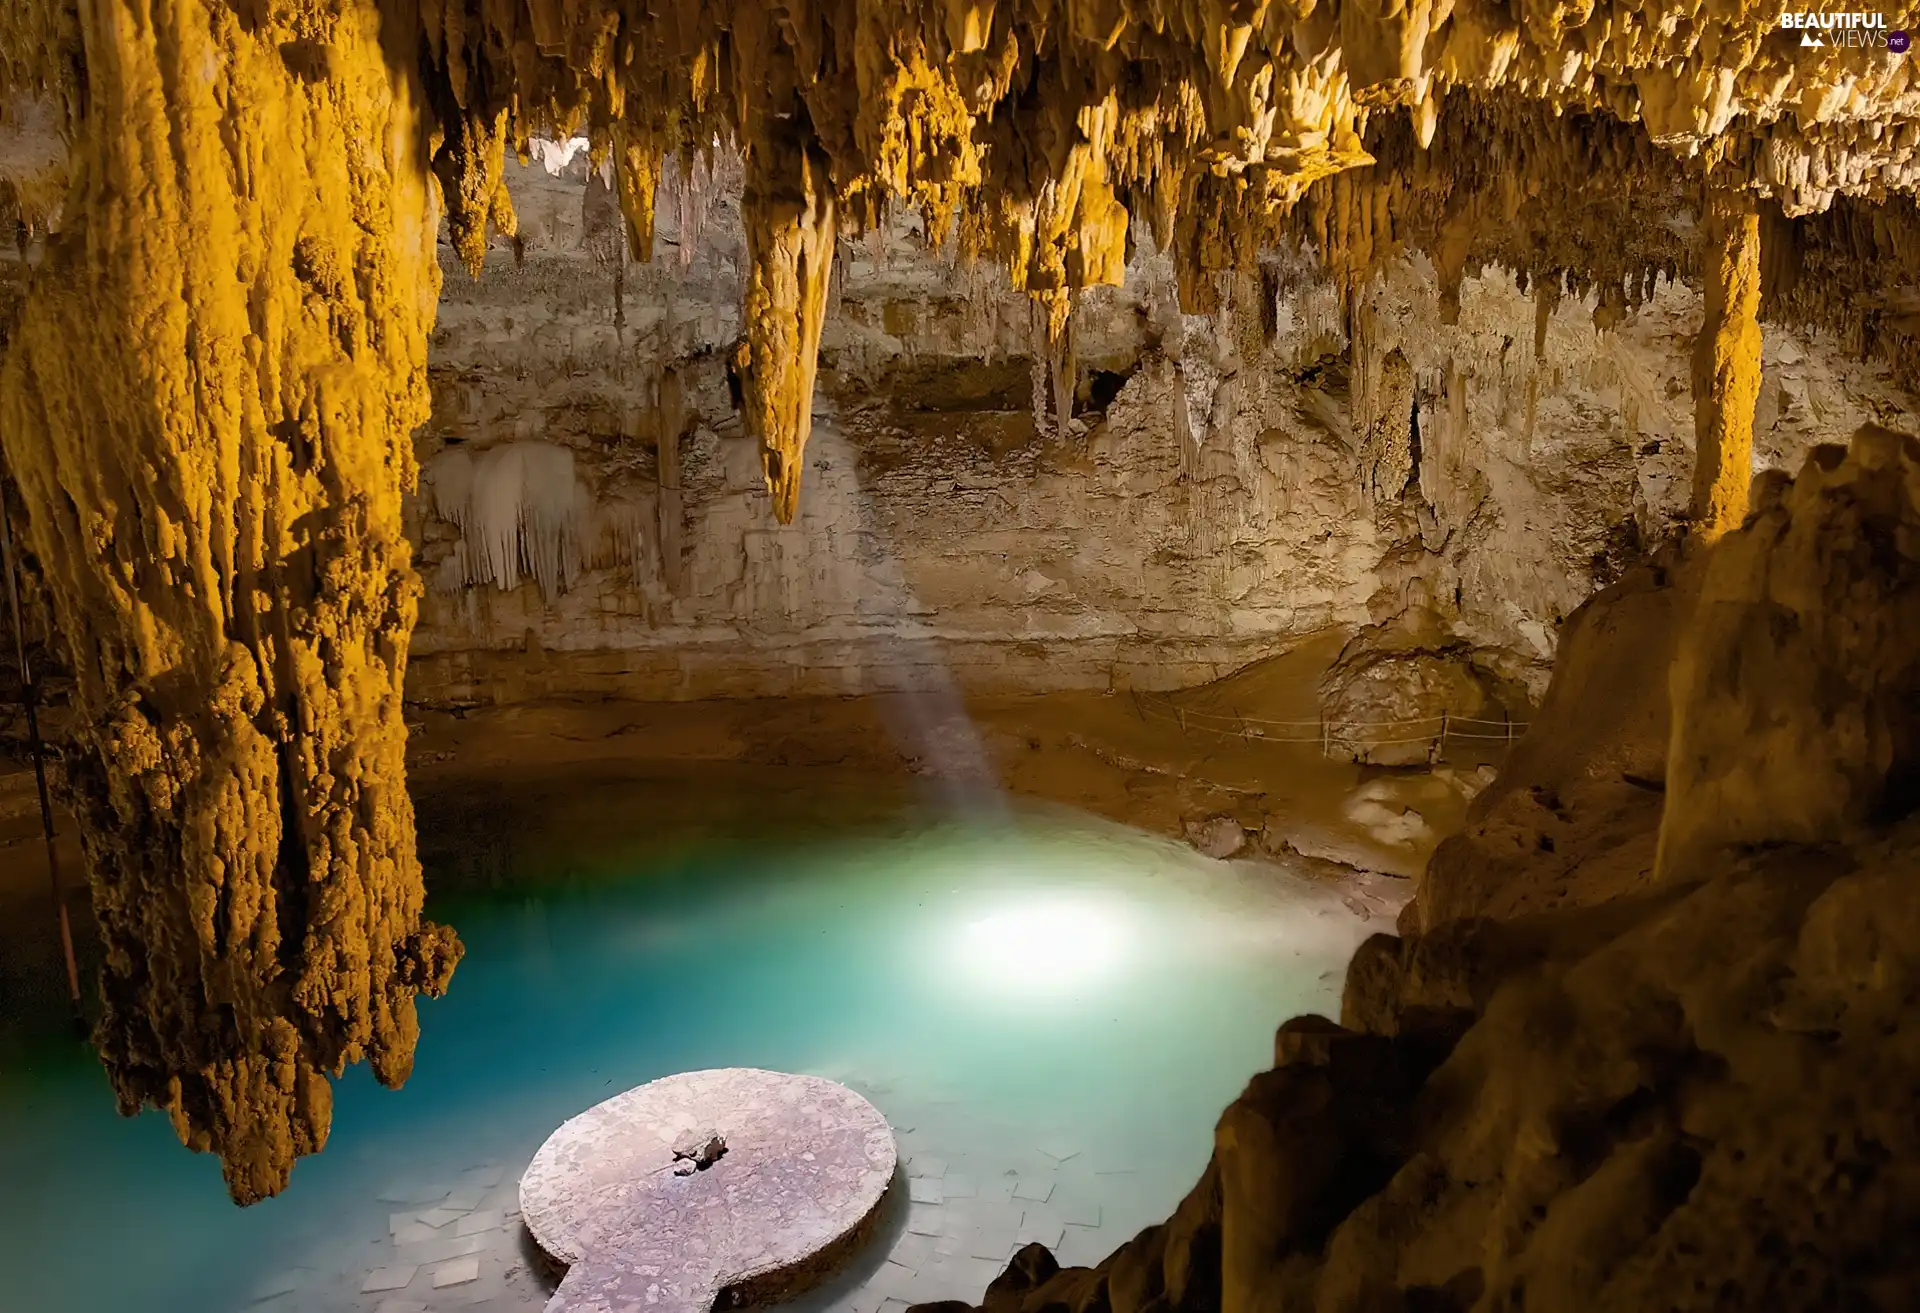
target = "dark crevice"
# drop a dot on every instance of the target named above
(292, 869)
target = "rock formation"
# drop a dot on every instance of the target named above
(1796, 682)
(1691, 1091)
(1389, 697)
(206, 405)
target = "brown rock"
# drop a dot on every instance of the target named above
(1387, 696)
(1798, 683)
(1572, 819)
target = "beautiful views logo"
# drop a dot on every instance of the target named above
(1859, 30)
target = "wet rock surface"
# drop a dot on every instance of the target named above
(786, 1194)
(696, 1151)
(1216, 836)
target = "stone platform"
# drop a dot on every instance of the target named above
(631, 1197)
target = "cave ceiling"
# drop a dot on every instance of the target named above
(1039, 135)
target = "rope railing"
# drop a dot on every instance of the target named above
(1437, 729)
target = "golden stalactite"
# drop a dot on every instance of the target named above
(788, 211)
(788, 208)
(636, 172)
(208, 405)
(1726, 365)
(471, 165)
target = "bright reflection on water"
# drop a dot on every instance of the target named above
(1060, 985)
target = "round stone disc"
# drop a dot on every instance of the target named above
(806, 1164)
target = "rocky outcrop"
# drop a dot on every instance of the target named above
(1796, 685)
(1572, 820)
(1573, 817)
(1690, 1093)
(1395, 690)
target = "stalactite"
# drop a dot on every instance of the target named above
(1726, 365)
(519, 507)
(208, 407)
(788, 210)
(471, 163)
(637, 161)
(1387, 446)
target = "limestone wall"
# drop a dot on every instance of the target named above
(1223, 484)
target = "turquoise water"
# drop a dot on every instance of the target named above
(1050, 992)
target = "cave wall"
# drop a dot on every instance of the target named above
(1221, 484)
(1553, 453)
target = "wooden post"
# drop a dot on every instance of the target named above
(1506, 718)
(1326, 737)
(1440, 747)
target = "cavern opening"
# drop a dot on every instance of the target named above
(743, 654)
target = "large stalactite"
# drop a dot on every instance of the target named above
(789, 212)
(207, 405)
(1726, 365)
(790, 234)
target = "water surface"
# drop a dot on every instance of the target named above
(1049, 1006)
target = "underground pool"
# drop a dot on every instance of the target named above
(1049, 1011)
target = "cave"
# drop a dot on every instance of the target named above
(1103, 658)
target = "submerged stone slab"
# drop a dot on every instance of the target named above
(796, 1190)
